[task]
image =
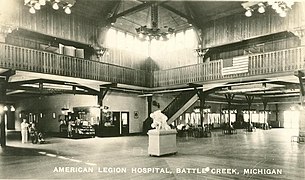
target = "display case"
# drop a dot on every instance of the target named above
(82, 122)
(84, 130)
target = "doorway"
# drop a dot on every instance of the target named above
(116, 123)
(291, 119)
(124, 123)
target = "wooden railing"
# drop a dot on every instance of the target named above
(26, 59)
(288, 60)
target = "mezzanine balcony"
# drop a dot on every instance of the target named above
(262, 65)
(31, 60)
(283, 62)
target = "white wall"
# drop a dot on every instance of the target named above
(115, 101)
(129, 103)
(49, 105)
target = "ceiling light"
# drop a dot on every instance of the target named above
(261, 8)
(32, 10)
(283, 14)
(37, 6)
(42, 2)
(13, 108)
(289, 4)
(248, 13)
(154, 32)
(55, 6)
(280, 7)
(67, 10)
(26, 1)
(9, 30)
(5, 108)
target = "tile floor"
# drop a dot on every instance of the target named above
(269, 154)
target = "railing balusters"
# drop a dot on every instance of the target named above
(26, 59)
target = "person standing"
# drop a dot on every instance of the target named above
(33, 133)
(70, 128)
(24, 131)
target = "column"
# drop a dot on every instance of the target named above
(265, 126)
(301, 75)
(149, 105)
(229, 98)
(302, 121)
(2, 119)
(249, 101)
(202, 97)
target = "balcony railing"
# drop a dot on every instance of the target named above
(25, 59)
(284, 61)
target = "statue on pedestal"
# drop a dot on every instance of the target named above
(159, 120)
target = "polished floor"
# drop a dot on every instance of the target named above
(264, 154)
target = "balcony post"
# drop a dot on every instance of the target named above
(3, 84)
(300, 76)
(229, 98)
(149, 105)
(249, 99)
(202, 96)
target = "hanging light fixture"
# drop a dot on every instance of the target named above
(280, 7)
(5, 108)
(248, 13)
(32, 10)
(42, 2)
(9, 30)
(154, 32)
(261, 8)
(56, 4)
(67, 10)
(283, 14)
(13, 108)
(37, 6)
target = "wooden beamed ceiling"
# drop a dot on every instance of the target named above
(176, 14)
(261, 90)
(46, 87)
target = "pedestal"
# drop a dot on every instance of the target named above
(162, 142)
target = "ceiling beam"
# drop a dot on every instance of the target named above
(18, 85)
(135, 9)
(193, 15)
(221, 15)
(187, 17)
(34, 90)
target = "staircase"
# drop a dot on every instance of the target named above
(180, 104)
(184, 101)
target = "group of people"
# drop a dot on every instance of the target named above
(30, 128)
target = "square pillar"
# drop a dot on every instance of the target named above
(302, 126)
(2, 119)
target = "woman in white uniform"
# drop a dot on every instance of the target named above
(24, 131)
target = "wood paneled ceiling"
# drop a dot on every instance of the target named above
(177, 14)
